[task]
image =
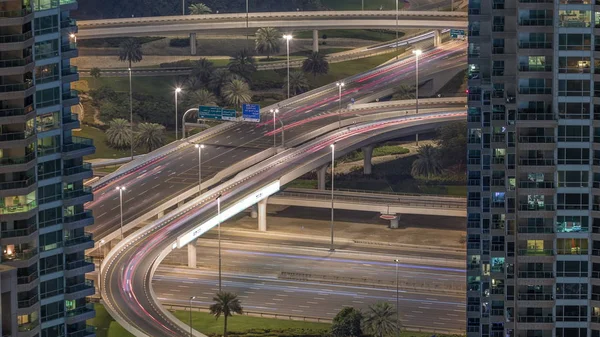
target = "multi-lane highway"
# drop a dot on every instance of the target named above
(173, 25)
(128, 293)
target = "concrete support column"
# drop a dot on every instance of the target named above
(417, 139)
(105, 249)
(322, 176)
(262, 215)
(191, 248)
(161, 214)
(368, 155)
(181, 203)
(395, 222)
(254, 212)
(315, 40)
(193, 47)
(437, 37)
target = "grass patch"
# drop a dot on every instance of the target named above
(350, 5)
(114, 42)
(218, 63)
(303, 183)
(380, 35)
(102, 321)
(386, 150)
(104, 151)
(152, 85)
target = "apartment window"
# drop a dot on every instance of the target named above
(573, 201)
(53, 311)
(50, 217)
(52, 287)
(47, 73)
(41, 5)
(573, 178)
(535, 86)
(51, 264)
(571, 313)
(535, 17)
(573, 156)
(575, 64)
(571, 268)
(535, 40)
(46, 49)
(573, 110)
(574, 87)
(46, 25)
(571, 332)
(498, 24)
(532, 63)
(571, 291)
(572, 246)
(48, 121)
(51, 241)
(49, 193)
(498, 46)
(572, 224)
(574, 41)
(474, 28)
(498, 68)
(44, 98)
(574, 18)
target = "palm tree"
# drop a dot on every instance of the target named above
(202, 71)
(131, 51)
(150, 135)
(380, 320)
(427, 164)
(243, 64)
(315, 64)
(199, 9)
(95, 73)
(267, 41)
(405, 92)
(199, 97)
(218, 80)
(226, 304)
(298, 82)
(118, 134)
(236, 92)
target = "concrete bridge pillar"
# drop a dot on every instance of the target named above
(437, 37)
(394, 223)
(262, 215)
(191, 250)
(105, 249)
(161, 214)
(368, 155)
(181, 203)
(322, 176)
(417, 139)
(254, 212)
(193, 47)
(315, 40)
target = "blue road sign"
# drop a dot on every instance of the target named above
(456, 33)
(210, 112)
(229, 115)
(251, 113)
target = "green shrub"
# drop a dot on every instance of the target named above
(178, 64)
(114, 42)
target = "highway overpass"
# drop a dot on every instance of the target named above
(162, 179)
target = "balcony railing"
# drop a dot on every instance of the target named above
(28, 302)
(77, 193)
(15, 14)
(16, 87)
(68, 47)
(10, 185)
(77, 217)
(81, 310)
(70, 94)
(29, 326)
(536, 252)
(16, 111)
(535, 274)
(536, 207)
(16, 37)
(11, 233)
(86, 237)
(78, 143)
(80, 263)
(86, 167)
(18, 208)
(88, 330)
(535, 319)
(535, 297)
(72, 70)
(27, 279)
(70, 22)
(536, 139)
(536, 184)
(535, 91)
(81, 286)
(16, 62)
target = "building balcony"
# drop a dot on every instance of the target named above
(78, 147)
(19, 187)
(536, 252)
(536, 274)
(68, 5)
(535, 297)
(536, 162)
(535, 319)
(77, 197)
(16, 41)
(17, 139)
(536, 184)
(16, 115)
(16, 66)
(20, 259)
(78, 173)
(26, 283)
(89, 331)
(15, 17)
(79, 267)
(78, 220)
(68, 26)
(18, 235)
(28, 327)
(81, 243)
(16, 90)
(80, 290)
(18, 208)
(82, 313)
(70, 98)
(69, 50)
(71, 122)
(70, 74)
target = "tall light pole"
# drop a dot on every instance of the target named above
(191, 330)
(121, 189)
(331, 248)
(287, 38)
(182, 7)
(397, 56)
(247, 25)
(177, 91)
(363, 5)
(397, 302)
(219, 229)
(274, 112)
(340, 85)
(131, 114)
(199, 147)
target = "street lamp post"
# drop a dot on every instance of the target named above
(331, 248)
(199, 147)
(219, 229)
(182, 7)
(274, 112)
(287, 38)
(121, 189)
(177, 91)
(397, 56)
(130, 114)
(247, 25)
(397, 302)
(191, 329)
(340, 85)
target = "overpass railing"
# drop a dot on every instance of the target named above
(375, 193)
(408, 202)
